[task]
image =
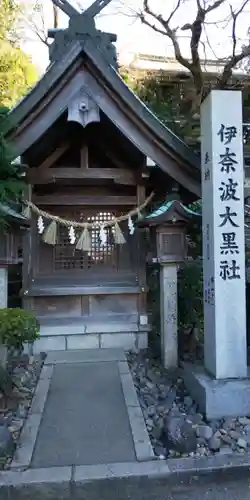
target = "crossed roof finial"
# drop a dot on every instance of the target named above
(92, 11)
(81, 27)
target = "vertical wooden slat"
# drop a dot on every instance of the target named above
(84, 157)
(27, 258)
(141, 262)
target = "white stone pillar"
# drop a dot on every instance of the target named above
(168, 310)
(3, 287)
(223, 235)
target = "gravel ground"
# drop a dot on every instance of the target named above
(175, 426)
(25, 371)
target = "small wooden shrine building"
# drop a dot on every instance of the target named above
(96, 155)
(12, 228)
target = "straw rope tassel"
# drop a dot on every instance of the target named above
(84, 242)
(118, 235)
(26, 212)
(50, 233)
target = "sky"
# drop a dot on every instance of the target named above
(133, 37)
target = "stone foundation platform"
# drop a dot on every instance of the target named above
(217, 398)
(77, 334)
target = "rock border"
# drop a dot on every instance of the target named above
(27, 440)
(143, 447)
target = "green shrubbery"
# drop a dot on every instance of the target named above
(17, 327)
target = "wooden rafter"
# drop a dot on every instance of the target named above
(37, 175)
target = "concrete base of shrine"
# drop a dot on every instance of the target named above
(72, 334)
(217, 398)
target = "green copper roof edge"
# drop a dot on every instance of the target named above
(7, 211)
(191, 212)
(166, 206)
(160, 210)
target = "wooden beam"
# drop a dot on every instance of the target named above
(41, 176)
(38, 175)
(71, 200)
(57, 153)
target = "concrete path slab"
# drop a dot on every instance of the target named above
(85, 412)
(85, 420)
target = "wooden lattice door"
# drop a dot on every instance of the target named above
(110, 260)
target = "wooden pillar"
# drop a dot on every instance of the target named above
(141, 262)
(27, 257)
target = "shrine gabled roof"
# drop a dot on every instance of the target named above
(160, 143)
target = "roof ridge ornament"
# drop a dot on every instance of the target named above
(81, 26)
(93, 10)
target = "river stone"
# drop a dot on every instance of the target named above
(228, 424)
(226, 439)
(6, 441)
(169, 398)
(188, 402)
(179, 435)
(235, 434)
(151, 411)
(244, 421)
(196, 418)
(156, 432)
(226, 450)
(242, 443)
(204, 431)
(214, 444)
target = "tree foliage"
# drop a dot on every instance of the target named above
(11, 183)
(17, 74)
(169, 100)
(9, 20)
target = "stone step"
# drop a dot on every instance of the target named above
(106, 331)
(115, 323)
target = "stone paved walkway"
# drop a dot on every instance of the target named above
(85, 412)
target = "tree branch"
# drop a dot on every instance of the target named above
(228, 68)
(169, 32)
(214, 6)
(235, 58)
(196, 28)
